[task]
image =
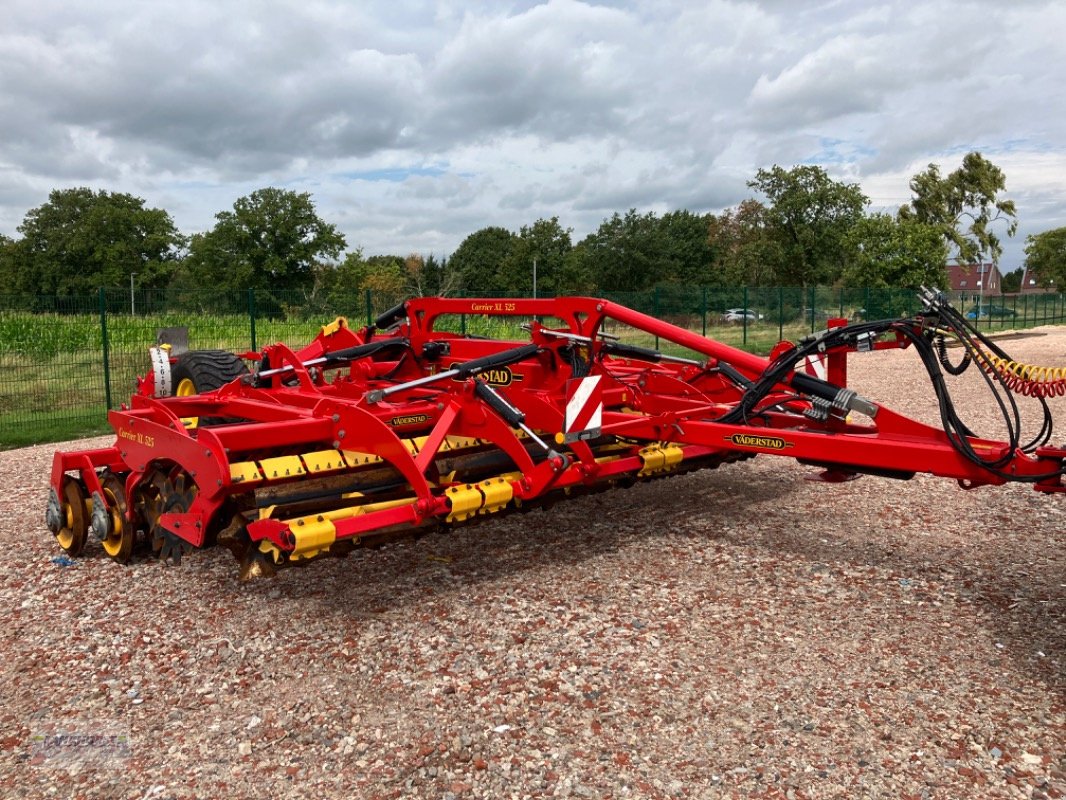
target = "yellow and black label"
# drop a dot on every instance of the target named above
(136, 438)
(763, 442)
(409, 419)
(492, 307)
(497, 376)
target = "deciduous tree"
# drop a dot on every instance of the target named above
(83, 239)
(1012, 281)
(626, 253)
(886, 252)
(477, 261)
(811, 215)
(687, 250)
(745, 247)
(545, 244)
(272, 239)
(965, 206)
(1045, 257)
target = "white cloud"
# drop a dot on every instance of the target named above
(415, 124)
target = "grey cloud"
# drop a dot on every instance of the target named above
(536, 109)
(556, 70)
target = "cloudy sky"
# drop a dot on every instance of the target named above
(413, 124)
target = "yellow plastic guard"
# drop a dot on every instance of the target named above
(282, 467)
(324, 461)
(313, 534)
(653, 458)
(464, 502)
(333, 327)
(658, 458)
(357, 459)
(498, 493)
(244, 472)
(674, 455)
(460, 442)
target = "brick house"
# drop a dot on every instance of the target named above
(1031, 284)
(971, 281)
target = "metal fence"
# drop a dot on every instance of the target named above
(67, 360)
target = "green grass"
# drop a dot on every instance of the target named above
(21, 430)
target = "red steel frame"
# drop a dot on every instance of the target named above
(662, 405)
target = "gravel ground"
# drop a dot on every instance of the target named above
(731, 633)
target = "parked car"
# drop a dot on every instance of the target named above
(734, 316)
(990, 311)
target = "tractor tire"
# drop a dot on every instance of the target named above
(200, 371)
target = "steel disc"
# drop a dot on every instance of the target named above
(122, 534)
(176, 495)
(75, 519)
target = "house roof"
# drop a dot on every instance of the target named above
(1031, 283)
(964, 277)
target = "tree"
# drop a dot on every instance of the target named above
(81, 240)
(811, 215)
(964, 206)
(544, 245)
(687, 251)
(429, 276)
(1045, 257)
(895, 253)
(385, 275)
(745, 248)
(626, 253)
(477, 261)
(272, 239)
(8, 272)
(1012, 281)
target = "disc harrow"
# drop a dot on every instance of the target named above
(407, 425)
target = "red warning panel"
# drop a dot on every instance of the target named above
(584, 408)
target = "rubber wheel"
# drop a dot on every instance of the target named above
(200, 371)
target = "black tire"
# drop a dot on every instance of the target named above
(200, 371)
(205, 371)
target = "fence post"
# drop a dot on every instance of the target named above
(369, 308)
(106, 346)
(704, 312)
(780, 313)
(251, 317)
(744, 318)
(656, 313)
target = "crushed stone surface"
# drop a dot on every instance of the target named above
(739, 632)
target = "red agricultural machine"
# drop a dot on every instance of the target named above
(403, 425)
